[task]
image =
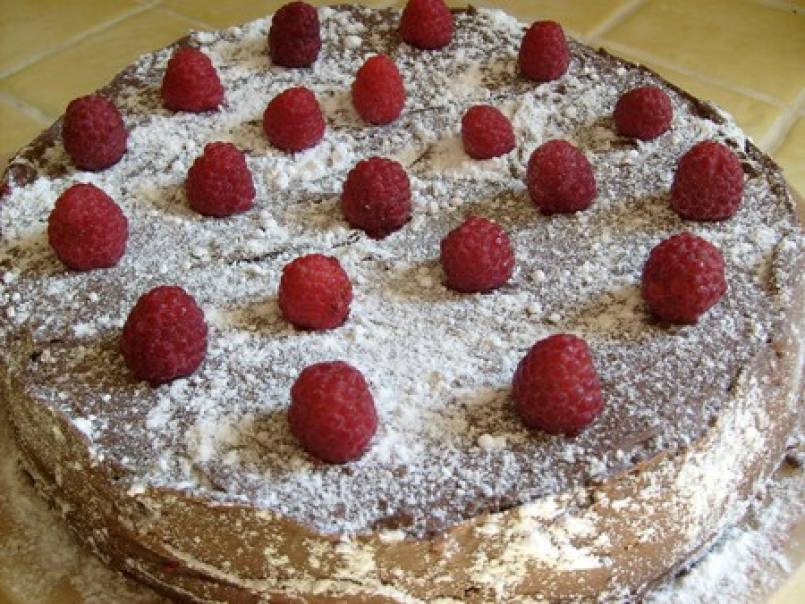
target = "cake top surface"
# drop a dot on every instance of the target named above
(439, 364)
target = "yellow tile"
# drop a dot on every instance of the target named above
(16, 129)
(224, 14)
(30, 28)
(51, 83)
(791, 592)
(742, 42)
(755, 117)
(792, 5)
(580, 16)
(791, 156)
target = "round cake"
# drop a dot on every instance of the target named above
(198, 487)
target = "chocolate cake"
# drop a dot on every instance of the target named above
(197, 487)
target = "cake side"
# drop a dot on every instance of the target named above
(607, 541)
(344, 559)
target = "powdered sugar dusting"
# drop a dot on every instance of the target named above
(39, 557)
(439, 364)
(542, 535)
(747, 563)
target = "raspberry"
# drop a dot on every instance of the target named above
(477, 256)
(426, 24)
(165, 335)
(377, 197)
(191, 82)
(315, 292)
(294, 39)
(643, 113)
(378, 92)
(544, 54)
(332, 411)
(219, 182)
(560, 179)
(86, 228)
(683, 277)
(93, 133)
(556, 387)
(708, 184)
(486, 132)
(293, 120)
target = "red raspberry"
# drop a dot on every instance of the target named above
(315, 292)
(560, 179)
(708, 184)
(294, 39)
(191, 82)
(477, 256)
(486, 132)
(165, 336)
(377, 197)
(378, 92)
(293, 120)
(219, 182)
(332, 411)
(643, 113)
(556, 387)
(93, 133)
(683, 277)
(426, 24)
(86, 228)
(544, 54)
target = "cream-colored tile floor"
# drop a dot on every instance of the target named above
(746, 55)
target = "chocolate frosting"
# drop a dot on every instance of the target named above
(450, 449)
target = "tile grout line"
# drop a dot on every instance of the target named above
(778, 132)
(620, 15)
(31, 111)
(642, 55)
(169, 11)
(76, 39)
